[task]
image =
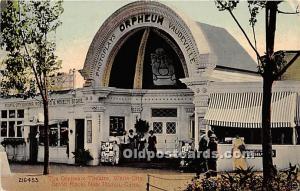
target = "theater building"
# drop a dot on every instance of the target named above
(150, 61)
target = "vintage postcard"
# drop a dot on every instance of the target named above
(149, 95)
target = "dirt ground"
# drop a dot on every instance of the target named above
(67, 177)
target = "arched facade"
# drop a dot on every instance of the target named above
(130, 18)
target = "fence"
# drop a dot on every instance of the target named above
(161, 183)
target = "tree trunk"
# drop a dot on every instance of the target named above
(46, 139)
(268, 169)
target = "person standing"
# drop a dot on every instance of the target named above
(132, 142)
(203, 143)
(152, 144)
(124, 138)
(116, 147)
(141, 146)
(238, 148)
(212, 158)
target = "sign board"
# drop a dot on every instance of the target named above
(107, 152)
(257, 153)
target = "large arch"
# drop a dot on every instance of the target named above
(119, 25)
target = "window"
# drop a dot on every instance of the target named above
(19, 129)
(4, 114)
(53, 135)
(64, 136)
(58, 134)
(171, 127)
(161, 112)
(10, 121)
(12, 113)
(157, 127)
(20, 113)
(89, 131)
(41, 137)
(117, 124)
(11, 129)
(3, 128)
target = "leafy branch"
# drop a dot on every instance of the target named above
(229, 6)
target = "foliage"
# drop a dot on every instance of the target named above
(13, 141)
(82, 156)
(27, 33)
(226, 4)
(277, 67)
(244, 180)
(141, 126)
(254, 8)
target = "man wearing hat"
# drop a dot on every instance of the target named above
(201, 160)
(212, 158)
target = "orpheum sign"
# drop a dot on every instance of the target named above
(172, 27)
(146, 18)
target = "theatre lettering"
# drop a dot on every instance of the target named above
(146, 18)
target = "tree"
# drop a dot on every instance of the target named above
(141, 126)
(27, 32)
(271, 66)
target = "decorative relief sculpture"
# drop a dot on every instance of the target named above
(162, 68)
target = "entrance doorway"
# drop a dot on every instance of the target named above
(79, 135)
(34, 145)
(166, 134)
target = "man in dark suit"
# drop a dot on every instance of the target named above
(212, 159)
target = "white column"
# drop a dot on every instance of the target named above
(71, 139)
(95, 145)
(196, 131)
(200, 88)
(294, 139)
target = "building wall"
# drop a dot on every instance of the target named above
(90, 105)
(285, 154)
(99, 105)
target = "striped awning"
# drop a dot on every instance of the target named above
(244, 109)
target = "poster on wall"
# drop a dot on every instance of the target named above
(149, 95)
(107, 152)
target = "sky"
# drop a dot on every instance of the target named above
(82, 19)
